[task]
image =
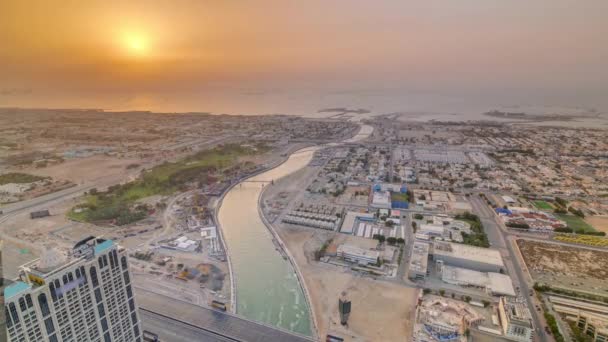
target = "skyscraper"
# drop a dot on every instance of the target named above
(87, 298)
(344, 306)
(2, 315)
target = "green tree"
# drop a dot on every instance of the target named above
(379, 237)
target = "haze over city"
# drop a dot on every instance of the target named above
(303, 171)
(284, 56)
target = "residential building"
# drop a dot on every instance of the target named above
(2, 312)
(515, 319)
(86, 299)
(590, 318)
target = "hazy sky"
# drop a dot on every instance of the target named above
(61, 52)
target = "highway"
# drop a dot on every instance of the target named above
(166, 317)
(497, 237)
(172, 330)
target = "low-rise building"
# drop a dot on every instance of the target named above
(465, 256)
(358, 255)
(352, 219)
(493, 283)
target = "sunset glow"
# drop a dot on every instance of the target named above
(123, 49)
(137, 44)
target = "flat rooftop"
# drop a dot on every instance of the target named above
(461, 251)
(420, 257)
(358, 252)
(498, 283)
(349, 221)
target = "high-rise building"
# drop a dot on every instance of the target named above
(2, 315)
(88, 298)
(344, 306)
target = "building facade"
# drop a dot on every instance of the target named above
(2, 312)
(86, 299)
(358, 255)
(590, 317)
(515, 319)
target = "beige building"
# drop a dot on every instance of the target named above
(591, 319)
(515, 319)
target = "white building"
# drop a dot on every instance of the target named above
(88, 298)
(381, 199)
(493, 283)
(419, 260)
(357, 255)
(465, 256)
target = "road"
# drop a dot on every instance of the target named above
(498, 239)
(164, 311)
(172, 330)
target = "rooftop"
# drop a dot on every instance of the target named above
(358, 252)
(478, 254)
(420, 255)
(495, 282)
(15, 288)
(101, 247)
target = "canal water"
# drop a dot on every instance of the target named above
(267, 288)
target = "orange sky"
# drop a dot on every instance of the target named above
(68, 47)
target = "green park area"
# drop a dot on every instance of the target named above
(575, 222)
(478, 236)
(21, 178)
(542, 205)
(117, 204)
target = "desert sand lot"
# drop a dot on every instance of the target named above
(563, 266)
(600, 223)
(85, 169)
(381, 311)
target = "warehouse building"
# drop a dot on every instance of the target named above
(358, 255)
(465, 256)
(353, 218)
(493, 283)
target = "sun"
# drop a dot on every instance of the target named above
(136, 44)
